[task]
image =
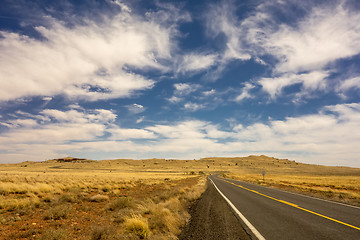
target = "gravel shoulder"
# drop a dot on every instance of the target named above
(212, 218)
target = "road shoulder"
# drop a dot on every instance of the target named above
(212, 218)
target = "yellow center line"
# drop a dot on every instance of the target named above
(292, 205)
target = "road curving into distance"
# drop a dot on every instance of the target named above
(276, 214)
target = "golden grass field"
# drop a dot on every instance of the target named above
(132, 199)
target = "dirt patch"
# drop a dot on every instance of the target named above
(212, 218)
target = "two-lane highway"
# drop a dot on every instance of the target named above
(277, 214)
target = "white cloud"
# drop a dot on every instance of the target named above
(308, 138)
(75, 116)
(140, 120)
(310, 82)
(193, 106)
(213, 132)
(20, 123)
(221, 19)
(175, 99)
(351, 83)
(210, 92)
(183, 89)
(305, 138)
(47, 99)
(90, 61)
(245, 92)
(123, 6)
(196, 62)
(126, 134)
(186, 129)
(136, 108)
(307, 44)
(30, 137)
(326, 33)
(75, 106)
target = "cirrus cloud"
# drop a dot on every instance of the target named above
(92, 60)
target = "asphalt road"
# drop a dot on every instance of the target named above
(277, 214)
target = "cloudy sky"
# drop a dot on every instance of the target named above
(105, 79)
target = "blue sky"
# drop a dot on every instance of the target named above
(180, 79)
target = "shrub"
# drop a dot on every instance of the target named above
(66, 199)
(138, 226)
(54, 234)
(58, 212)
(103, 233)
(159, 219)
(120, 203)
(99, 198)
(166, 218)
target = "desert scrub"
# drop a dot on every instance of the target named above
(137, 225)
(103, 233)
(164, 220)
(166, 217)
(189, 195)
(58, 212)
(54, 234)
(66, 198)
(120, 203)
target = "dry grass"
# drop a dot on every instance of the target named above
(69, 200)
(121, 203)
(137, 225)
(140, 198)
(54, 234)
(104, 233)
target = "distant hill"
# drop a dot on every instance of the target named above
(70, 159)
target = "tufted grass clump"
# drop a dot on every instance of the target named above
(137, 225)
(121, 203)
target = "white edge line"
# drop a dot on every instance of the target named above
(243, 218)
(298, 194)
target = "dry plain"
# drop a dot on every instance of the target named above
(132, 199)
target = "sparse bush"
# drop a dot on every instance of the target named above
(165, 217)
(103, 233)
(54, 234)
(66, 198)
(120, 203)
(138, 226)
(165, 195)
(99, 198)
(58, 212)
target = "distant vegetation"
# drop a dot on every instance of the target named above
(130, 199)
